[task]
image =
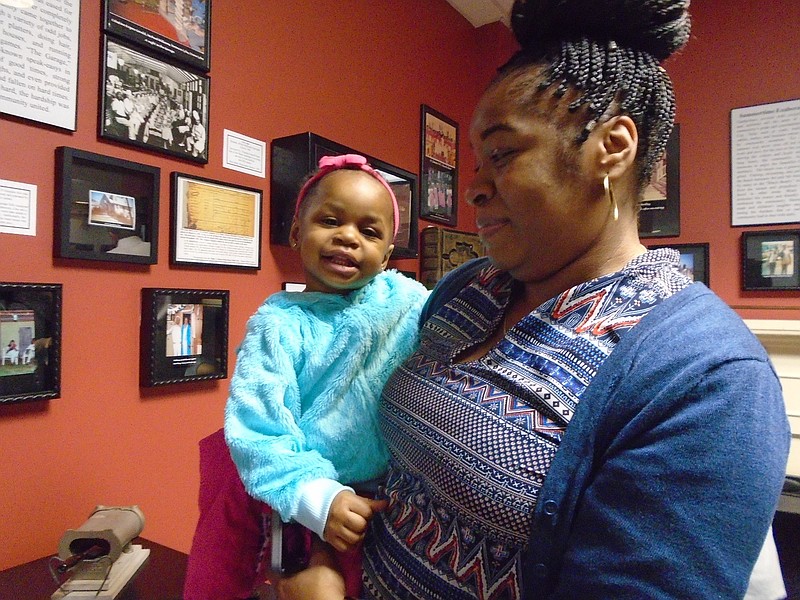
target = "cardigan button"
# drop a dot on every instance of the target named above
(540, 571)
(550, 507)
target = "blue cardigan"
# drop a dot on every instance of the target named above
(675, 457)
(304, 394)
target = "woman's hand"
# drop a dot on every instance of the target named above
(321, 580)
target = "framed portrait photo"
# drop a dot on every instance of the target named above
(106, 208)
(769, 260)
(153, 104)
(30, 341)
(438, 167)
(176, 29)
(184, 336)
(694, 260)
(660, 211)
(215, 223)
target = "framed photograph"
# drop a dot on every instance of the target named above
(214, 223)
(106, 208)
(438, 167)
(660, 213)
(39, 61)
(694, 260)
(176, 29)
(153, 104)
(30, 341)
(294, 157)
(769, 260)
(184, 336)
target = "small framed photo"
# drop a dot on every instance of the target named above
(769, 260)
(184, 336)
(215, 223)
(30, 341)
(660, 211)
(177, 29)
(153, 104)
(438, 167)
(106, 208)
(694, 260)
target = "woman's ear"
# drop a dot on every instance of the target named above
(617, 144)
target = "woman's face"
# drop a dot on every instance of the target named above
(535, 192)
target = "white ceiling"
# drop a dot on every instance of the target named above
(481, 12)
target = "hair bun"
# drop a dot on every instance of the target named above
(659, 27)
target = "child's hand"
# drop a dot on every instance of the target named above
(348, 518)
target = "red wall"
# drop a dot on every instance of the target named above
(741, 53)
(354, 71)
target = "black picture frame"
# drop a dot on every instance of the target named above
(694, 260)
(30, 341)
(176, 352)
(769, 260)
(660, 210)
(185, 35)
(295, 156)
(438, 170)
(106, 208)
(153, 104)
(215, 224)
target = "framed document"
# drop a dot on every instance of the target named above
(184, 336)
(30, 341)
(106, 208)
(176, 30)
(215, 223)
(438, 167)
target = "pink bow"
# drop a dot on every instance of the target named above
(341, 161)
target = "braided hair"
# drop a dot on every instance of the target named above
(601, 58)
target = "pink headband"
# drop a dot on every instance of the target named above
(328, 164)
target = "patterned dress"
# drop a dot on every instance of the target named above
(471, 442)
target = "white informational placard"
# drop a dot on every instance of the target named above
(17, 208)
(39, 62)
(244, 154)
(765, 164)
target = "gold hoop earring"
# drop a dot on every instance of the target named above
(610, 197)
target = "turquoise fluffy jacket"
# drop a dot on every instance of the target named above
(304, 394)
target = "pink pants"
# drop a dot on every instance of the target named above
(230, 550)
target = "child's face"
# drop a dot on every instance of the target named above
(344, 232)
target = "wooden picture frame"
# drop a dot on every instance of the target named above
(769, 260)
(30, 341)
(153, 104)
(183, 336)
(660, 210)
(694, 260)
(185, 36)
(106, 208)
(214, 223)
(438, 171)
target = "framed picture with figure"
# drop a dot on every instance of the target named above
(438, 167)
(184, 336)
(769, 260)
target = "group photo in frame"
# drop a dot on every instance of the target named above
(184, 336)
(438, 167)
(177, 29)
(214, 223)
(694, 261)
(660, 208)
(153, 104)
(30, 341)
(106, 208)
(769, 260)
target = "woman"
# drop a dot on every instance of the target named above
(571, 426)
